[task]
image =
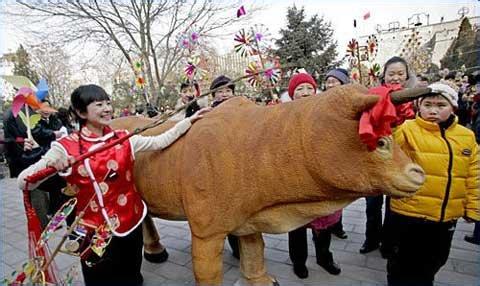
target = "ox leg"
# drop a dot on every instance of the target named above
(153, 250)
(207, 254)
(252, 264)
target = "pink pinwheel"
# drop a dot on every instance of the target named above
(245, 41)
(194, 36)
(190, 70)
(254, 79)
(26, 96)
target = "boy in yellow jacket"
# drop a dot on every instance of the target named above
(422, 226)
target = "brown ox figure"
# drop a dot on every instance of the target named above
(246, 169)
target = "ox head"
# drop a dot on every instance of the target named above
(340, 160)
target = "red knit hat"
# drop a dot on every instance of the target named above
(298, 79)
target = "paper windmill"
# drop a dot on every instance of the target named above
(374, 71)
(137, 65)
(26, 96)
(254, 78)
(352, 47)
(262, 37)
(42, 89)
(272, 71)
(355, 74)
(140, 82)
(245, 43)
(192, 69)
(372, 46)
(189, 39)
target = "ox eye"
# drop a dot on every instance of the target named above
(382, 143)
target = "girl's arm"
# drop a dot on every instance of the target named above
(150, 143)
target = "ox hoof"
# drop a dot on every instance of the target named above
(156, 257)
(268, 281)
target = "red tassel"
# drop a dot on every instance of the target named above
(34, 229)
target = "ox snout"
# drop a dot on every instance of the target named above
(415, 174)
(407, 182)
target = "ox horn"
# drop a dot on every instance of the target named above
(406, 95)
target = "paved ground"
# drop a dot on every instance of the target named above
(461, 269)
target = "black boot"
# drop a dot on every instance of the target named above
(337, 230)
(300, 270)
(327, 263)
(369, 247)
(321, 240)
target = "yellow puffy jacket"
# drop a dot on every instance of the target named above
(450, 160)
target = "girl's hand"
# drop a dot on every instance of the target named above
(61, 164)
(199, 114)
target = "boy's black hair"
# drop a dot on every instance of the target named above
(188, 83)
(451, 75)
(394, 60)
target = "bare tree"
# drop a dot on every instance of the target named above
(145, 30)
(53, 64)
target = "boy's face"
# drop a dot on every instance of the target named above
(435, 109)
(187, 93)
(44, 113)
(223, 93)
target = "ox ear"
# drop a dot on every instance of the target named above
(363, 102)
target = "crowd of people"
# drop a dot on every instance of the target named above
(440, 132)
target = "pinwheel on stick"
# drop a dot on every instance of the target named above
(244, 43)
(26, 96)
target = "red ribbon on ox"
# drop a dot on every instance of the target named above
(379, 120)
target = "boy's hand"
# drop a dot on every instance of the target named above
(29, 144)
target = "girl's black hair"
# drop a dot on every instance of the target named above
(394, 60)
(83, 95)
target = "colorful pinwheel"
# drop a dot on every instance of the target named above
(42, 89)
(262, 37)
(352, 47)
(372, 46)
(374, 72)
(272, 71)
(192, 69)
(189, 39)
(254, 78)
(137, 65)
(140, 82)
(245, 42)
(26, 97)
(355, 74)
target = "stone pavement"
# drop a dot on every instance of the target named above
(462, 267)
